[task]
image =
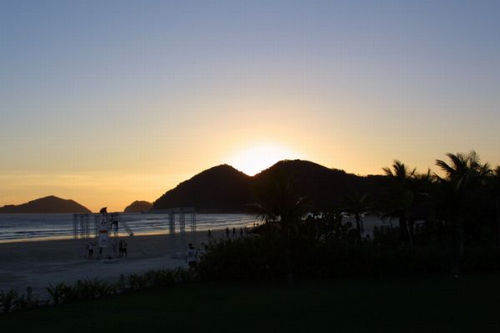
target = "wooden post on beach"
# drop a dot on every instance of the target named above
(96, 229)
(75, 225)
(193, 221)
(86, 221)
(171, 223)
(81, 231)
(182, 222)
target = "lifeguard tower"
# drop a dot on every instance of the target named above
(106, 231)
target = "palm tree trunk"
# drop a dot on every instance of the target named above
(458, 250)
(498, 217)
(289, 265)
(403, 228)
(358, 226)
(411, 233)
(288, 256)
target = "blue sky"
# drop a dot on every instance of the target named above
(96, 92)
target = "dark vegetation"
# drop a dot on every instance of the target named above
(458, 227)
(83, 290)
(398, 305)
(50, 204)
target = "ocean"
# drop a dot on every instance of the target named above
(22, 227)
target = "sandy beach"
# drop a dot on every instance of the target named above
(39, 263)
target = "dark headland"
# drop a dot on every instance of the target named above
(49, 204)
(138, 206)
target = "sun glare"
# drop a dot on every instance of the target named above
(255, 159)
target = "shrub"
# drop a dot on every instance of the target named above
(9, 301)
(91, 289)
(261, 257)
(59, 293)
(243, 258)
(159, 278)
(137, 281)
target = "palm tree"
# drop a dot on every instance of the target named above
(281, 206)
(463, 176)
(400, 171)
(421, 206)
(280, 203)
(331, 223)
(402, 196)
(464, 170)
(495, 190)
(357, 205)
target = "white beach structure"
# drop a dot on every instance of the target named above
(178, 216)
(107, 226)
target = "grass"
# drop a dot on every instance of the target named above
(437, 304)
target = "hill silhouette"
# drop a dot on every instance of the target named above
(138, 206)
(218, 189)
(225, 189)
(49, 204)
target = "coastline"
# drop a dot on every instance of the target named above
(40, 263)
(16, 228)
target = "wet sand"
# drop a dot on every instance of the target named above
(40, 263)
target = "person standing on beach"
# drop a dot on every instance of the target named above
(90, 250)
(124, 248)
(191, 256)
(120, 248)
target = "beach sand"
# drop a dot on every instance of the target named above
(40, 263)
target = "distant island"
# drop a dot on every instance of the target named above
(138, 206)
(49, 204)
(223, 189)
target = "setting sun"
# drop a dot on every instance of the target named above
(257, 158)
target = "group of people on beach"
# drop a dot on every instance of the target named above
(107, 224)
(120, 248)
(234, 232)
(242, 231)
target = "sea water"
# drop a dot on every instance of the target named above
(18, 227)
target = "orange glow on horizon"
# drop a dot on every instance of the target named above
(256, 158)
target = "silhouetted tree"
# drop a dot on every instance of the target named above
(401, 196)
(464, 175)
(421, 206)
(495, 191)
(283, 207)
(332, 224)
(357, 205)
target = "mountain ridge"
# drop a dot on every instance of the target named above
(225, 189)
(199, 191)
(48, 204)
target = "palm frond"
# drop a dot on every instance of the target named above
(388, 171)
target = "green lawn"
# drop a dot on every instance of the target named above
(439, 304)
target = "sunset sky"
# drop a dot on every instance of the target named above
(106, 102)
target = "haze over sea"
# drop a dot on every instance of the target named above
(24, 227)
